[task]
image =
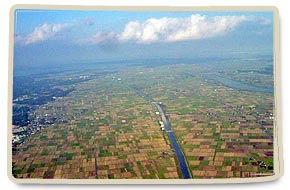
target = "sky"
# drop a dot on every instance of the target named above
(64, 37)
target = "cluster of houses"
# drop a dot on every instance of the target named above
(18, 134)
(261, 164)
(161, 126)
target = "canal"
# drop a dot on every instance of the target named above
(180, 156)
(175, 145)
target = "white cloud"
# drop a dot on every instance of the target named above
(149, 31)
(262, 20)
(43, 33)
(101, 37)
(178, 29)
(19, 39)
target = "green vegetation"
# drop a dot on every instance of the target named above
(68, 156)
(107, 129)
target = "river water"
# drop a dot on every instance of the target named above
(175, 145)
(237, 85)
(181, 159)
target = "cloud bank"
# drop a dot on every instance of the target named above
(43, 33)
(100, 38)
(180, 29)
(152, 30)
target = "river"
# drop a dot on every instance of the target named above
(236, 84)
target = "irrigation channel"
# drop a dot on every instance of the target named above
(180, 156)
